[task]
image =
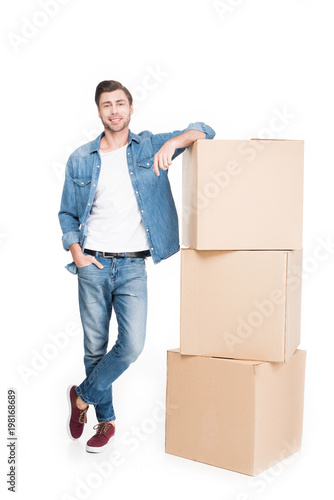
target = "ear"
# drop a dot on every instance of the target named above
(131, 109)
(98, 112)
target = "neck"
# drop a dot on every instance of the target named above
(114, 140)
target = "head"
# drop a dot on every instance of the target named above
(114, 104)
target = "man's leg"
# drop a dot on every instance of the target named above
(129, 299)
(95, 303)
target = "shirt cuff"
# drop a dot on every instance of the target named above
(209, 132)
(70, 238)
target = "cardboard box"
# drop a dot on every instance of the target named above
(244, 416)
(243, 195)
(240, 304)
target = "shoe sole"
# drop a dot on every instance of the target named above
(69, 412)
(96, 449)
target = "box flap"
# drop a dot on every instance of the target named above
(259, 139)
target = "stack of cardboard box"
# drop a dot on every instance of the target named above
(235, 388)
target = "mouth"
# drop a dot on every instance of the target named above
(115, 120)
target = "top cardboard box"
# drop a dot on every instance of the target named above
(243, 195)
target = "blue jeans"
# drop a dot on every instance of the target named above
(121, 284)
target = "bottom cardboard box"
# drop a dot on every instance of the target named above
(240, 415)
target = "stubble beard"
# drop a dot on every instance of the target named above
(108, 126)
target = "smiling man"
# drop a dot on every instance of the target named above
(117, 209)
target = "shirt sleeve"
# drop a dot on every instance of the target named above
(158, 140)
(68, 217)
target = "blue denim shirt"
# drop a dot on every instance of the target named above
(153, 193)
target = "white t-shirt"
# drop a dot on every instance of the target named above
(114, 223)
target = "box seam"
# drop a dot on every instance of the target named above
(286, 307)
(254, 419)
(196, 197)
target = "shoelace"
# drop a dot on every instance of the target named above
(83, 416)
(102, 427)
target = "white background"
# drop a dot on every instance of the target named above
(230, 67)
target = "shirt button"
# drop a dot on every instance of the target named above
(94, 185)
(152, 248)
(137, 192)
(131, 173)
(98, 166)
(146, 229)
(82, 183)
(89, 204)
(142, 210)
(128, 153)
(147, 163)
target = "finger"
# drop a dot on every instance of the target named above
(97, 263)
(155, 165)
(162, 162)
(167, 161)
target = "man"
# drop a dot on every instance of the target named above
(116, 210)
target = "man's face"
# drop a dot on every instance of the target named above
(115, 110)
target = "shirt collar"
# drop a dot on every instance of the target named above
(96, 143)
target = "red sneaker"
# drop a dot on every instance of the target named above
(104, 431)
(77, 418)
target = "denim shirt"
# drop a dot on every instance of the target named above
(153, 193)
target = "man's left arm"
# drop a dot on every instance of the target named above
(178, 142)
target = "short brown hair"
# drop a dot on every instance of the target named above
(110, 86)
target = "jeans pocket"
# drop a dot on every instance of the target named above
(87, 265)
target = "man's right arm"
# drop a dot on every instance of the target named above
(69, 222)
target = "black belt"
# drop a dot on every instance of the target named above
(143, 253)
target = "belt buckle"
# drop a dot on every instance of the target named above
(107, 256)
